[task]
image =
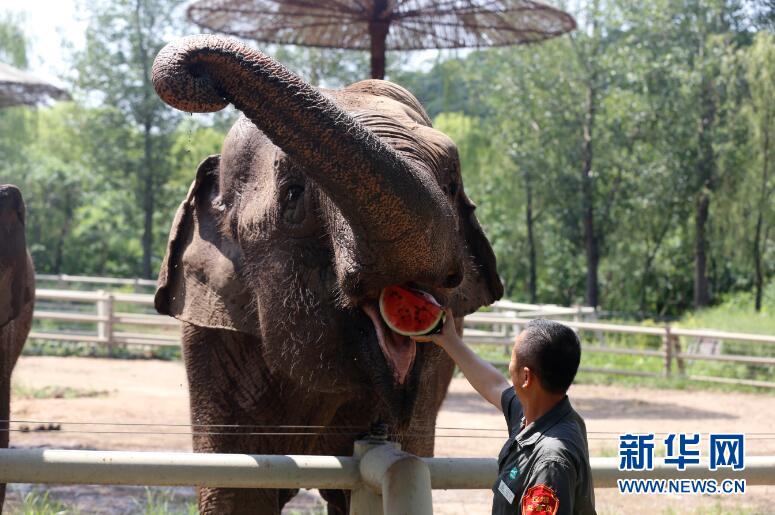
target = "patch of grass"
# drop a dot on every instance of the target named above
(736, 313)
(54, 392)
(90, 350)
(159, 501)
(37, 503)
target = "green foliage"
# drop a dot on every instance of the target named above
(653, 71)
(13, 42)
(89, 350)
(37, 503)
(155, 501)
(736, 313)
(54, 392)
(159, 501)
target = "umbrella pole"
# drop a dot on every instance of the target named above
(378, 32)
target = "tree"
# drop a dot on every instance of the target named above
(13, 42)
(15, 122)
(122, 39)
(759, 62)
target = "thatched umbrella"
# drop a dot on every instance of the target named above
(20, 88)
(379, 25)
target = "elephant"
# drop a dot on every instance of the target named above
(17, 297)
(318, 200)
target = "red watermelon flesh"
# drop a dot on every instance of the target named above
(410, 312)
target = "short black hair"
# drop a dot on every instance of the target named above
(551, 350)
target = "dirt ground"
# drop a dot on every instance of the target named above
(102, 390)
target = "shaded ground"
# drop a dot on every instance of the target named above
(156, 392)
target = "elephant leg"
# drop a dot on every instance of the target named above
(5, 413)
(338, 501)
(224, 390)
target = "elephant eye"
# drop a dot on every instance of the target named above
(293, 208)
(294, 193)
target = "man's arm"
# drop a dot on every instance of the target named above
(485, 378)
(549, 489)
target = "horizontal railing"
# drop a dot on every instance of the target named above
(64, 279)
(286, 471)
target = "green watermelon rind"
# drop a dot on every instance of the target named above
(432, 328)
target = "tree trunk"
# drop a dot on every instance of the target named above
(146, 174)
(701, 297)
(63, 230)
(591, 240)
(531, 248)
(378, 32)
(705, 174)
(148, 202)
(757, 242)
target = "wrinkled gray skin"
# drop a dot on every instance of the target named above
(17, 291)
(278, 254)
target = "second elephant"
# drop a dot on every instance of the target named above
(17, 293)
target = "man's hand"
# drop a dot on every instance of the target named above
(485, 378)
(448, 334)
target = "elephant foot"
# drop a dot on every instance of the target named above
(243, 501)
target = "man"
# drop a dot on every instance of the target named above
(543, 469)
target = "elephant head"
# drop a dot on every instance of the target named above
(15, 285)
(319, 199)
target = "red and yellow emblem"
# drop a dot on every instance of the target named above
(540, 500)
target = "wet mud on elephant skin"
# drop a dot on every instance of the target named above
(17, 292)
(277, 255)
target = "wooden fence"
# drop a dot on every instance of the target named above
(138, 325)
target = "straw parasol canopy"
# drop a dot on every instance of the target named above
(380, 25)
(20, 88)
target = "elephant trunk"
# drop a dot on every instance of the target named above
(388, 202)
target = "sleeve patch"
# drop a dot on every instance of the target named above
(540, 500)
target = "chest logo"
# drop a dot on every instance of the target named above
(513, 473)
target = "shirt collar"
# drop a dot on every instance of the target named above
(529, 435)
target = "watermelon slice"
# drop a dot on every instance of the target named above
(410, 312)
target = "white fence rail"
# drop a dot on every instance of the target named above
(110, 326)
(119, 281)
(383, 479)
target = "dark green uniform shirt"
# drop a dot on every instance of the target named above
(543, 469)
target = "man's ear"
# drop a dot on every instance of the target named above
(200, 281)
(527, 377)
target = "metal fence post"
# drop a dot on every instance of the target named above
(105, 327)
(363, 500)
(393, 482)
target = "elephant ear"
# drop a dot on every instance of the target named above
(487, 286)
(200, 279)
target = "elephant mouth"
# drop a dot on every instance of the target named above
(399, 350)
